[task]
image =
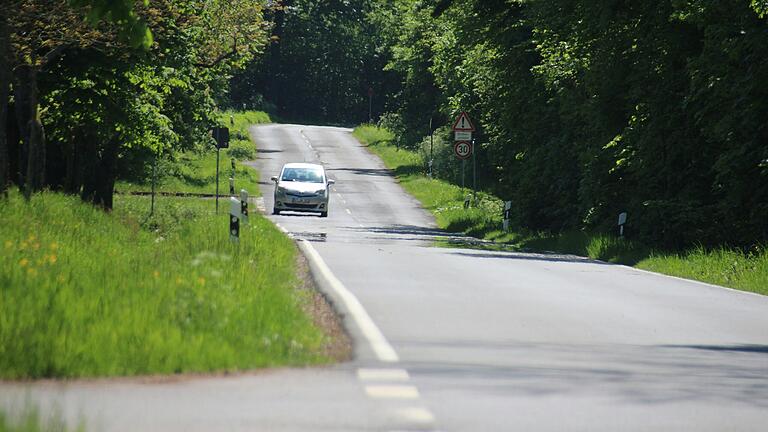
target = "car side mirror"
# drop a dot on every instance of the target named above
(274, 179)
(331, 182)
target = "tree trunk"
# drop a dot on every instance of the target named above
(73, 177)
(35, 157)
(4, 92)
(23, 111)
(100, 173)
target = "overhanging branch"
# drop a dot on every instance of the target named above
(221, 57)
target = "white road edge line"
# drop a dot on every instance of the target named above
(376, 339)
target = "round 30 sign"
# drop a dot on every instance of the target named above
(462, 149)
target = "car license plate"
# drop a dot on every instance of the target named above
(300, 201)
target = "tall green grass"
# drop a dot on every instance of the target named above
(31, 420)
(747, 272)
(86, 293)
(195, 171)
(483, 220)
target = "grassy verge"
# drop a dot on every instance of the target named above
(30, 420)
(84, 293)
(446, 201)
(195, 172)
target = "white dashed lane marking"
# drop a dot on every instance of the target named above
(416, 415)
(388, 375)
(392, 391)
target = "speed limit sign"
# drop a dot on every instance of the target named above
(462, 149)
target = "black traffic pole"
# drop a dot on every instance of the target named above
(218, 150)
(474, 173)
(370, 105)
(154, 182)
(431, 146)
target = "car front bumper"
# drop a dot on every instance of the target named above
(301, 204)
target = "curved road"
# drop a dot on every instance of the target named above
(461, 340)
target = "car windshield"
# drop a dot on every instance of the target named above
(306, 175)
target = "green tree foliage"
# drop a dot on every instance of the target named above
(590, 108)
(112, 85)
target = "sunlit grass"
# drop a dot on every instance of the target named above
(731, 268)
(483, 220)
(86, 293)
(195, 172)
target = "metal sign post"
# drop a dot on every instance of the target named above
(464, 146)
(474, 175)
(232, 179)
(154, 183)
(622, 222)
(431, 145)
(221, 135)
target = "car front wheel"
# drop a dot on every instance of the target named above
(324, 214)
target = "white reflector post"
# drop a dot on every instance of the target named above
(234, 219)
(244, 206)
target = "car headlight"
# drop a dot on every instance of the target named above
(280, 190)
(320, 192)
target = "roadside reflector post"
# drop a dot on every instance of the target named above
(244, 206)
(622, 222)
(507, 211)
(234, 220)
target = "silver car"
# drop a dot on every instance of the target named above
(302, 187)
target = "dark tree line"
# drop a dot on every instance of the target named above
(586, 108)
(324, 58)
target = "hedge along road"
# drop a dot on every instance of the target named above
(453, 339)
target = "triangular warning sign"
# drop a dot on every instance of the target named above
(463, 123)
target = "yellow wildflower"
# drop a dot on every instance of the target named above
(54, 246)
(156, 274)
(32, 271)
(201, 280)
(179, 281)
(23, 262)
(8, 244)
(52, 259)
(23, 245)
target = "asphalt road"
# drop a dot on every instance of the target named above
(461, 340)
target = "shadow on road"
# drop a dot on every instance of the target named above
(531, 256)
(653, 375)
